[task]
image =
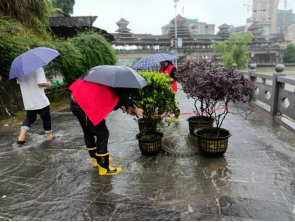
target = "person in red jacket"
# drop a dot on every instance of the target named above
(169, 69)
(91, 103)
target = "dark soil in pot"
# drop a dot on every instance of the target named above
(150, 142)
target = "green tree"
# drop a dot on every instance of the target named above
(275, 45)
(67, 6)
(234, 50)
(32, 14)
(95, 50)
(26, 11)
(289, 55)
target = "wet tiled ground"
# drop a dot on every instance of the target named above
(55, 180)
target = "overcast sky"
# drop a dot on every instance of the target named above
(148, 16)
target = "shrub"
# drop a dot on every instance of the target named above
(155, 99)
(95, 50)
(70, 58)
(77, 55)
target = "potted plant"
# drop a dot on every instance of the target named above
(158, 101)
(189, 75)
(215, 88)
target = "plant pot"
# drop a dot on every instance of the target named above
(212, 147)
(197, 122)
(149, 142)
(145, 125)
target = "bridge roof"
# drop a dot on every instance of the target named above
(224, 26)
(75, 21)
(122, 21)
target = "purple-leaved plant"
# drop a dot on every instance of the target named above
(213, 88)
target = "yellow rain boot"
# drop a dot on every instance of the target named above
(92, 152)
(104, 167)
(177, 113)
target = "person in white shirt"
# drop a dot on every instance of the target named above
(35, 102)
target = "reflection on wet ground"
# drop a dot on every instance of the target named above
(55, 180)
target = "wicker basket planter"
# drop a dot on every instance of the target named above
(212, 147)
(197, 122)
(150, 142)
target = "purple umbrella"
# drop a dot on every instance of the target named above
(153, 60)
(31, 61)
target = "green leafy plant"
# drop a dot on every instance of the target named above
(77, 55)
(67, 6)
(234, 50)
(289, 55)
(155, 99)
(70, 57)
(275, 45)
(33, 14)
(95, 50)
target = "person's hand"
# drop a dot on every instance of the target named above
(139, 112)
(135, 111)
(131, 111)
(48, 84)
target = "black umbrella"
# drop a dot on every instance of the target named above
(115, 76)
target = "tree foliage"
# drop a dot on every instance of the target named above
(95, 50)
(235, 49)
(26, 11)
(77, 55)
(289, 55)
(33, 14)
(67, 6)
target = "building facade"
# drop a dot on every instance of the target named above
(285, 19)
(194, 26)
(266, 11)
(290, 33)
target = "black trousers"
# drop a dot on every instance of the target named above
(32, 116)
(99, 132)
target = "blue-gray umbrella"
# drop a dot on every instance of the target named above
(153, 60)
(31, 61)
(115, 76)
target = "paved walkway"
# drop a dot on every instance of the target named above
(55, 180)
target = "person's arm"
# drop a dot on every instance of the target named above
(48, 84)
(123, 99)
(41, 78)
(172, 75)
(126, 104)
(133, 111)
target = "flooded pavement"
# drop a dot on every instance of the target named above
(254, 180)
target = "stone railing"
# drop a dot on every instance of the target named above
(275, 92)
(206, 48)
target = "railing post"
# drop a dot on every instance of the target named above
(252, 79)
(253, 69)
(275, 88)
